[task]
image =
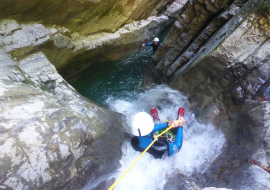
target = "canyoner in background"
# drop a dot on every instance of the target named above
(145, 131)
(155, 44)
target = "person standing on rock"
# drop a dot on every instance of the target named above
(155, 44)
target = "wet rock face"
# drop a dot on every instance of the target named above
(85, 17)
(229, 71)
(178, 181)
(50, 136)
(250, 177)
(249, 130)
(194, 16)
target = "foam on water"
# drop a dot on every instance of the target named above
(201, 144)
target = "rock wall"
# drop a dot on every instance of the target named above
(178, 181)
(220, 61)
(186, 36)
(84, 17)
(231, 67)
(250, 177)
(50, 136)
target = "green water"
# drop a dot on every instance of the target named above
(116, 78)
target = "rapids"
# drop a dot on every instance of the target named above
(201, 144)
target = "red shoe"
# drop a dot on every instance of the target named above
(181, 112)
(154, 113)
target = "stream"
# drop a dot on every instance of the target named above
(115, 78)
(201, 144)
(118, 78)
(115, 84)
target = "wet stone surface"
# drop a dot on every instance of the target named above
(50, 136)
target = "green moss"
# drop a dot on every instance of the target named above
(44, 88)
(26, 79)
(29, 81)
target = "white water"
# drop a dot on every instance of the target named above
(201, 144)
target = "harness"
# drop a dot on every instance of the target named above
(168, 134)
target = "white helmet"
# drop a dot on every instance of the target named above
(156, 40)
(142, 124)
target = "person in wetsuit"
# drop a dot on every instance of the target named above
(161, 148)
(155, 44)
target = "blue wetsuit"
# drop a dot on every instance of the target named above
(155, 47)
(145, 141)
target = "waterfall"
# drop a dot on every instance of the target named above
(201, 145)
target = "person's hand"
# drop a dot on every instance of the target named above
(181, 122)
(143, 45)
(177, 123)
(174, 123)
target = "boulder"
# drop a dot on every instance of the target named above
(50, 136)
(249, 127)
(250, 177)
(178, 181)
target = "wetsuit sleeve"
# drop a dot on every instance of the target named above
(179, 137)
(175, 147)
(151, 44)
(159, 127)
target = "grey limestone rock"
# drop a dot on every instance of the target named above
(50, 136)
(250, 177)
(8, 26)
(178, 181)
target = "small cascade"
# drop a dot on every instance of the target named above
(201, 145)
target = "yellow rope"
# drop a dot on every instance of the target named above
(156, 138)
